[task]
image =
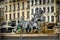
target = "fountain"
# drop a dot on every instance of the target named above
(27, 26)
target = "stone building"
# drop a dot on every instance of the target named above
(48, 6)
(58, 15)
(1, 12)
(14, 9)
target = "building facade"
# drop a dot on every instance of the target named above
(15, 9)
(48, 7)
(58, 15)
(1, 12)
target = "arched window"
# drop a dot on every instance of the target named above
(32, 2)
(35, 2)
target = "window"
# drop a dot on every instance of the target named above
(18, 6)
(6, 16)
(22, 5)
(22, 0)
(14, 15)
(18, 15)
(14, 7)
(35, 2)
(59, 18)
(39, 1)
(2, 13)
(22, 15)
(48, 9)
(6, 8)
(32, 11)
(47, 1)
(32, 3)
(52, 1)
(52, 9)
(44, 9)
(27, 4)
(6, 2)
(10, 16)
(44, 19)
(52, 18)
(48, 19)
(18, 0)
(10, 8)
(10, 1)
(44, 1)
(27, 14)
(14, 0)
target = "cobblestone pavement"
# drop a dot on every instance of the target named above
(30, 38)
